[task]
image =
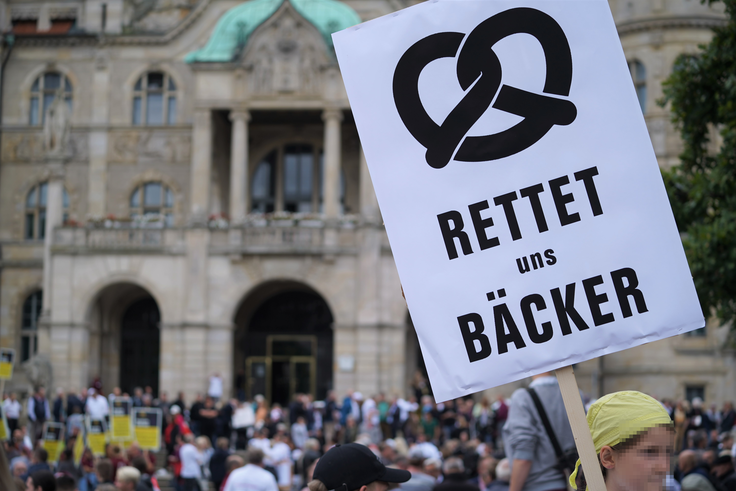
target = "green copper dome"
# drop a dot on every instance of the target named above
(237, 24)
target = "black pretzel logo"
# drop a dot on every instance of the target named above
(478, 62)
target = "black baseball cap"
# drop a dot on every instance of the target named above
(350, 466)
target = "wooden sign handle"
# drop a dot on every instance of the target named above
(580, 430)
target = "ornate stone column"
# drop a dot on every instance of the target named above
(98, 141)
(332, 156)
(54, 218)
(239, 166)
(201, 165)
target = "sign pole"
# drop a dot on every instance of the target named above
(580, 430)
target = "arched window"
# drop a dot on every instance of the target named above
(29, 325)
(290, 179)
(36, 202)
(153, 199)
(639, 76)
(154, 100)
(43, 92)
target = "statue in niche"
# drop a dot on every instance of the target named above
(286, 69)
(309, 70)
(263, 71)
(56, 125)
(38, 371)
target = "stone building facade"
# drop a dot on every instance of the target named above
(184, 193)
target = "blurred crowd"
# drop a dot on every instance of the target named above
(457, 444)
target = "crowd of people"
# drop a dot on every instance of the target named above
(215, 443)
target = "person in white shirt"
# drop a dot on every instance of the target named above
(252, 477)
(12, 408)
(96, 405)
(299, 432)
(280, 456)
(261, 441)
(191, 464)
(215, 388)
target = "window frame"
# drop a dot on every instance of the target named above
(165, 209)
(39, 93)
(37, 212)
(277, 183)
(640, 82)
(30, 332)
(140, 98)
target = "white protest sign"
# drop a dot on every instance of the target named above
(520, 192)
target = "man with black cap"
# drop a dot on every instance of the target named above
(723, 471)
(353, 467)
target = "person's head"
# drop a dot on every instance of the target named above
(202, 443)
(40, 455)
(433, 467)
(66, 483)
(709, 456)
(12, 396)
(255, 456)
(20, 468)
(222, 443)
(503, 471)
(140, 464)
(723, 465)
(104, 470)
(634, 440)
(41, 391)
(687, 461)
(354, 467)
(126, 478)
(486, 467)
(453, 465)
(235, 462)
(388, 452)
(41, 481)
(188, 438)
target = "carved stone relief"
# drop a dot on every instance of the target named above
(156, 15)
(285, 56)
(149, 146)
(31, 146)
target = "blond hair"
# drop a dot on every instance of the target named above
(128, 474)
(317, 485)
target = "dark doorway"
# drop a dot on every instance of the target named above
(140, 340)
(288, 347)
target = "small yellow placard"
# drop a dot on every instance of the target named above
(7, 358)
(96, 436)
(53, 440)
(121, 422)
(147, 423)
(79, 445)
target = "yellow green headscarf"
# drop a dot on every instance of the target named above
(617, 417)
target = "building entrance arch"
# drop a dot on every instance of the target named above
(125, 338)
(283, 343)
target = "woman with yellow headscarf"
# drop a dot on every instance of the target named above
(634, 439)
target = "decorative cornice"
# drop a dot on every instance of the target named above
(102, 40)
(662, 23)
(54, 40)
(159, 38)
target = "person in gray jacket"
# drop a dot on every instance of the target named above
(528, 448)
